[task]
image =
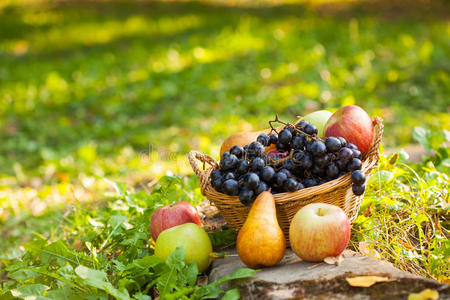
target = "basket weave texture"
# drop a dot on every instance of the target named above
(337, 192)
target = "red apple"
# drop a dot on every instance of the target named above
(353, 124)
(172, 215)
(319, 230)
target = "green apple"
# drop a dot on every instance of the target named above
(319, 119)
(194, 240)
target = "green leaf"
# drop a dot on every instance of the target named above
(29, 291)
(176, 258)
(146, 262)
(97, 279)
(238, 274)
(23, 275)
(382, 176)
(169, 277)
(420, 135)
(220, 238)
(209, 291)
(140, 296)
(62, 293)
(233, 294)
(191, 273)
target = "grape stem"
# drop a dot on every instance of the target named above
(277, 120)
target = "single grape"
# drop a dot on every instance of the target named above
(297, 156)
(333, 144)
(358, 177)
(291, 130)
(237, 150)
(358, 189)
(281, 147)
(261, 188)
(342, 140)
(229, 163)
(310, 181)
(352, 146)
(291, 185)
(286, 171)
(322, 162)
(318, 149)
(356, 154)
(318, 171)
(280, 178)
(289, 165)
(225, 154)
(299, 141)
(246, 196)
(310, 129)
(243, 167)
(332, 170)
(306, 161)
(230, 187)
(255, 149)
(354, 164)
(257, 164)
(342, 165)
(263, 139)
(331, 156)
(345, 154)
(217, 184)
(273, 139)
(301, 125)
(309, 146)
(267, 173)
(228, 175)
(284, 137)
(215, 174)
(252, 180)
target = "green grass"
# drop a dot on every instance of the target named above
(123, 90)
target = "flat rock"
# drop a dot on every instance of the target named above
(296, 279)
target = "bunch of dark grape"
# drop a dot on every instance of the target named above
(299, 159)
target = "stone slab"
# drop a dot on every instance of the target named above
(295, 279)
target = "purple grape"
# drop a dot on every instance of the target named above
(345, 154)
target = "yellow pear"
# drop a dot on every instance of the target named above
(260, 242)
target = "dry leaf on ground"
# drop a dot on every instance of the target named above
(334, 260)
(364, 250)
(424, 295)
(365, 281)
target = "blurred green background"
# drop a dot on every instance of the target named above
(124, 89)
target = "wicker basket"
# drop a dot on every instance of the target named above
(337, 192)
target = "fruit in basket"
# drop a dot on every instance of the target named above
(172, 215)
(260, 242)
(319, 230)
(353, 124)
(194, 240)
(290, 158)
(319, 119)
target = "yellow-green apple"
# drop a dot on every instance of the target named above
(353, 124)
(194, 240)
(319, 119)
(172, 215)
(319, 230)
